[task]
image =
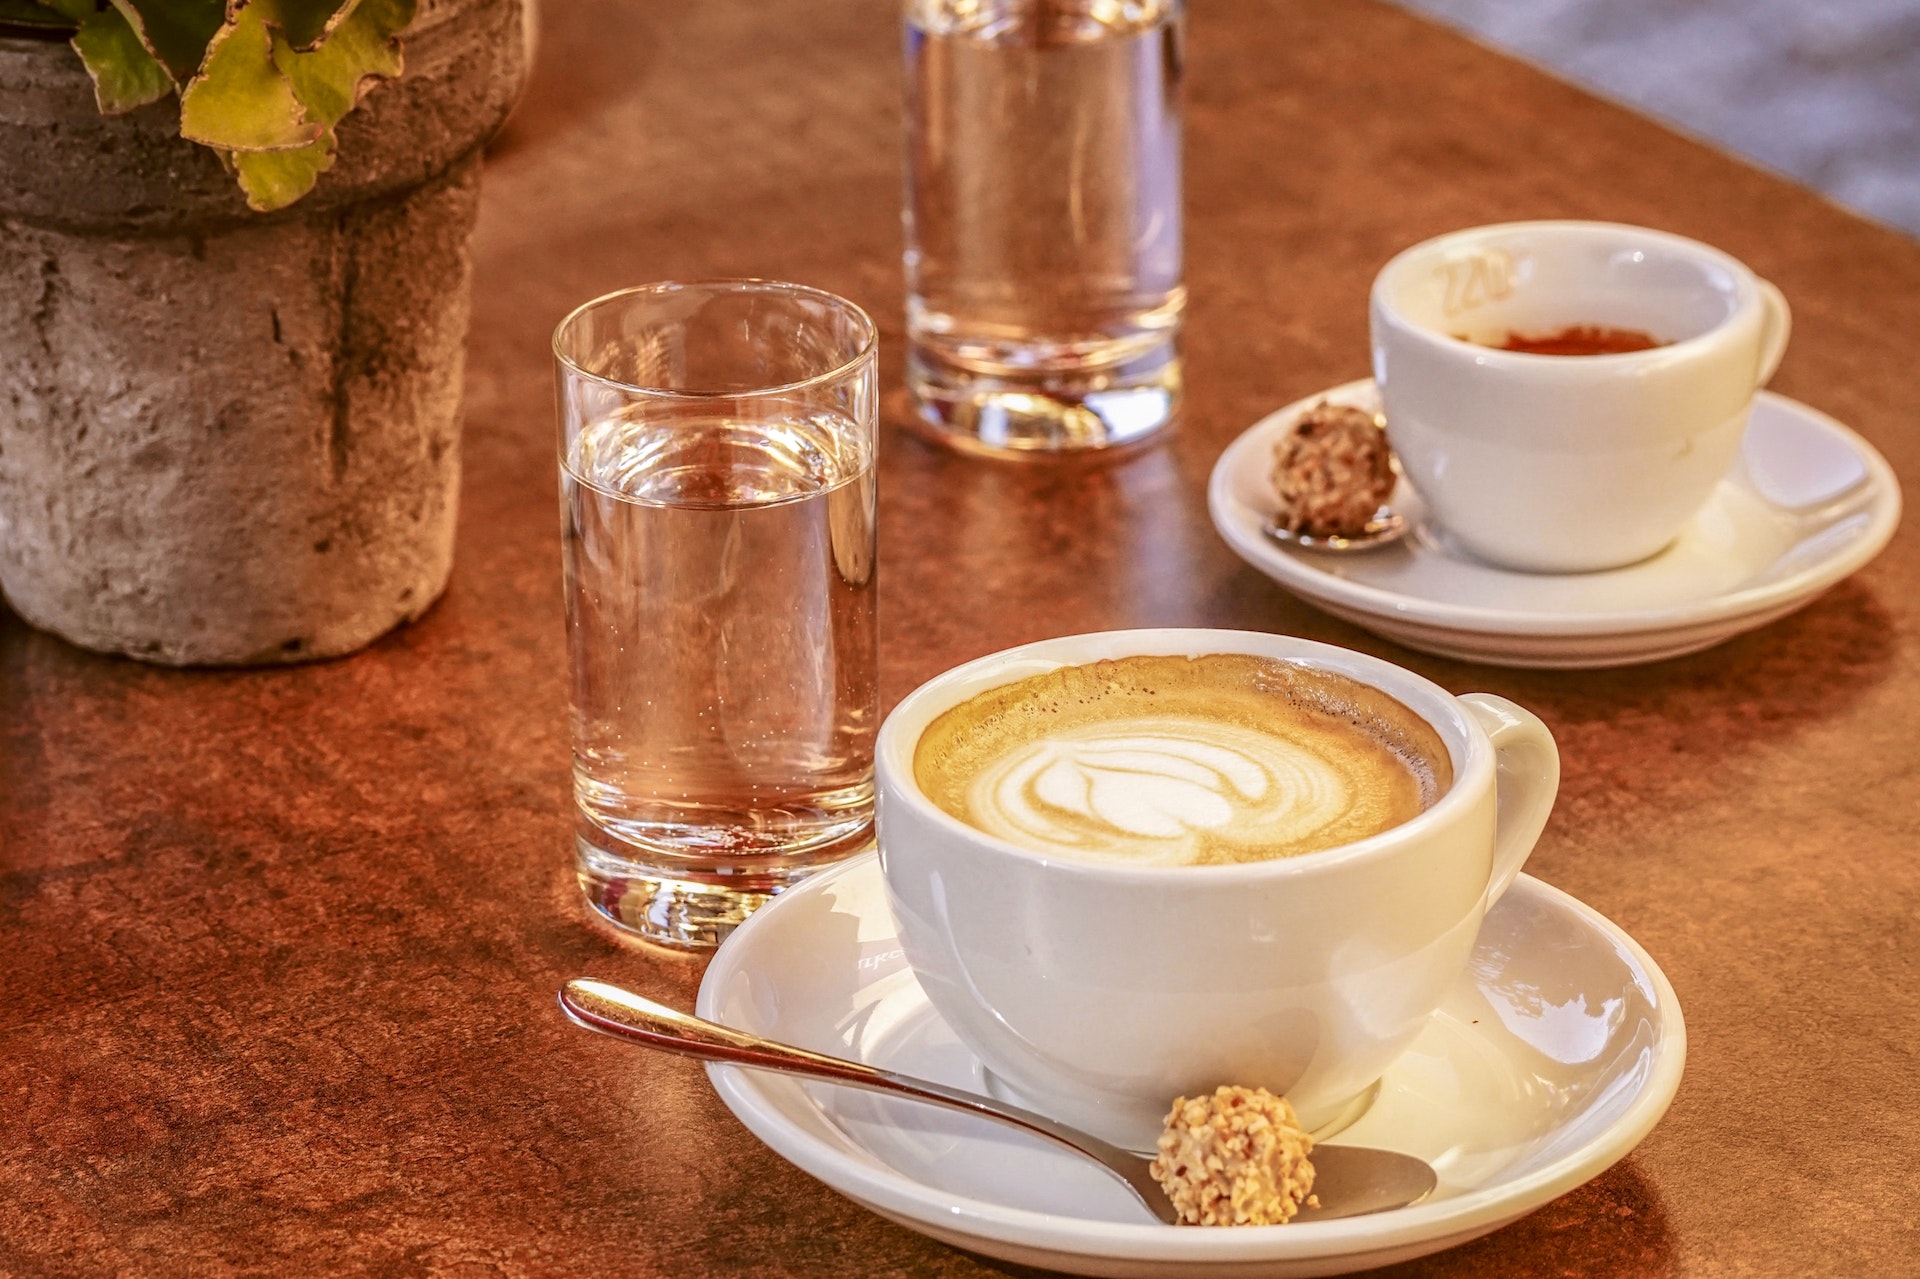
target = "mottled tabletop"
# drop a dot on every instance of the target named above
(278, 949)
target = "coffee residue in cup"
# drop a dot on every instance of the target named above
(1236, 1158)
(1578, 339)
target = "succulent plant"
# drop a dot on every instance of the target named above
(261, 82)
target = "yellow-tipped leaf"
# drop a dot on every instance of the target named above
(125, 73)
(240, 100)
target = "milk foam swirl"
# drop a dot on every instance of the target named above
(1156, 790)
(1174, 760)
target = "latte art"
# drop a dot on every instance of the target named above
(1177, 761)
(1155, 790)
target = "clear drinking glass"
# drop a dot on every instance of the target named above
(717, 448)
(1043, 220)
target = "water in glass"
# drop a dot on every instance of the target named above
(1043, 219)
(720, 583)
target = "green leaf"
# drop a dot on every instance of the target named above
(333, 77)
(261, 82)
(240, 100)
(177, 32)
(124, 74)
(308, 22)
(275, 179)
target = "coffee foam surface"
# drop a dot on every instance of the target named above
(1172, 760)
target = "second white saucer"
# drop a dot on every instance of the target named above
(1552, 1057)
(1809, 503)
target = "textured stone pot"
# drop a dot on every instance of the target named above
(228, 437)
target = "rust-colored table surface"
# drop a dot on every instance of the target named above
(278, 949)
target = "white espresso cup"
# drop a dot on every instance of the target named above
(1097, 992)
(1569, 463)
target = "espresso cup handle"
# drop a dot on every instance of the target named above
(1527, 777)
(1775, 328)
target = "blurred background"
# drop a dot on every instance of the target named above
(1826, 92)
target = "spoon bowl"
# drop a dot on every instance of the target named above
(1350, 1181)
(1385, 528)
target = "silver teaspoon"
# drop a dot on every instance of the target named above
(1386, 526)
(1350, 1180)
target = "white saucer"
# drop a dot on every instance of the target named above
(1551, 1059)
(1809, 503)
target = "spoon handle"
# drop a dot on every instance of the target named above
(597, 1005)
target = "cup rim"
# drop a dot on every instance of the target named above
(1473, 761)
(1746, 284)
(869, 341)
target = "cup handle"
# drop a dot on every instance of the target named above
(1776, 326)
(1527, 779)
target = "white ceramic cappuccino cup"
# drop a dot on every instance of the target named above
(1097, 992)
(1568, 463)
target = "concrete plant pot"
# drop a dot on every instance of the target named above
(227, 437)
